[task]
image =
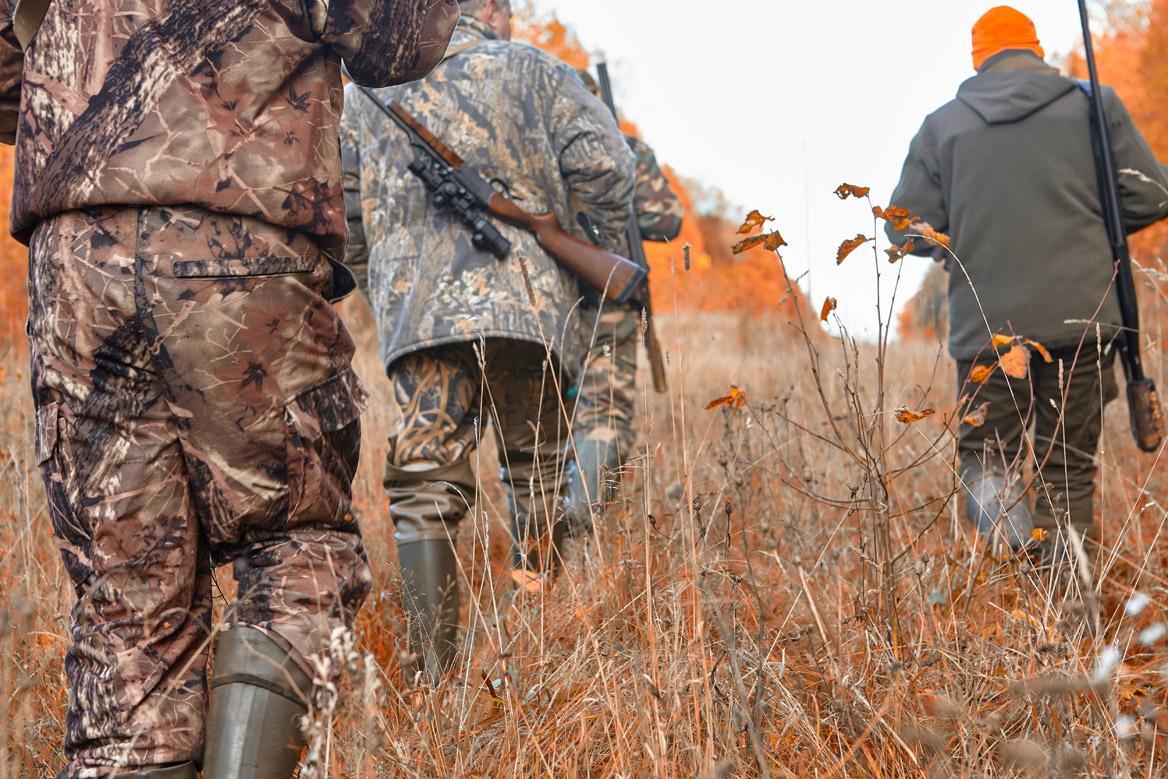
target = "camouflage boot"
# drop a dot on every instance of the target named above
(258, 695)
(430, 600)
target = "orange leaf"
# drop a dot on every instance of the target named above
(734, 400)
(906, 416)
(844, 191)
(896, 252)
(828, 306)
(849, 246)
(926, 231)
(771, 241)
(976, 418)
(899, 217)
(754, 219)
(1038, 534)
(1002, 340)
(528, 581)
(1015, 361)
(980, 373)
(1041, 350)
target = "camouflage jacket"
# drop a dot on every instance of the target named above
(659, 209)
(516, 115)
(233, 107)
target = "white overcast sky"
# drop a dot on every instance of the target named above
(769, 99)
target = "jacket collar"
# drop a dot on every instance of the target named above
(470, 27)
(1017, 59)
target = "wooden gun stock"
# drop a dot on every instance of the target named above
(615, 275)
(1147, 422)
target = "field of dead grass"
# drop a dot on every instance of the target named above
(784, 588)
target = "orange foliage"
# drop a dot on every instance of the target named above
(13, 262)
(1132, 57)
(753, 282)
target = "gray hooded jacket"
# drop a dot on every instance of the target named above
(1006, 170)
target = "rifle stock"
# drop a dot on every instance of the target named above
(615, 275)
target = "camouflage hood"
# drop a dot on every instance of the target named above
(521, 119)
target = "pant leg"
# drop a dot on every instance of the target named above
(995, 446)
(1067, 494)
(119, 502)
(606, 391)
(256, 367)
(428, 473)
(532, 433)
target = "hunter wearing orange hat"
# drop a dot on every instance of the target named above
(1006, 169)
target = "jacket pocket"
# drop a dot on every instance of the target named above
(324, 446)
(47, 420)
(245, 266)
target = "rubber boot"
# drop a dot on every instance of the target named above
(180, 771)
(986, 499)
(597, 467)
(430, 600)
(258, 695)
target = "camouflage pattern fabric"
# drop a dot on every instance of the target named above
(606, 393)
(230, 105)
(659, 209)
(444, 395)
(516, 115)
(195, 406)
(1066, 488)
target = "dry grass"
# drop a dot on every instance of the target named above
(785, 589)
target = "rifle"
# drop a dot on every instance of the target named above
(455, 186)
(1142, 400)
(637, 254)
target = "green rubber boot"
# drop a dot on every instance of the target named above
(430, 600)
(258, 695)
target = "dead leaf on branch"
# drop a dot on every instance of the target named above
(926, 231)
(1015, 362)
(899, 218)
(734, 400)
(770, 241)
(754, 219)
(828, 306)
(844, 191)
(976, 418)
(907, 417)
(1002, 340)
(981, 373)
(1041, 350)
(896, 252)
(849, 246)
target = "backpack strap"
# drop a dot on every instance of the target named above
(451, 52)
(27, 18)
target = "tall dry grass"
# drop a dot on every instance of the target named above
(784, 588)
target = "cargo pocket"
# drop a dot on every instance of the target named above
(324, 446)
(47, 417)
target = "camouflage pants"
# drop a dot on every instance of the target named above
(1066, 486)
(606, 394)
(444, 394)
(195, 405)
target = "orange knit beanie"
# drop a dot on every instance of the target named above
(1003, 28)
